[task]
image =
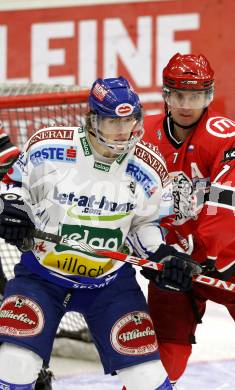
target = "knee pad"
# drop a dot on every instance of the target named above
(146, 376)
(18, 365)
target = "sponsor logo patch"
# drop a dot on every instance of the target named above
(93, 205)
(124, 109)
(133, 334)
(20, 317)
(85, 146)
(221, 127)
(50, 134)
(60, 153)
(74, 264)
(188, 82)
(106, 281)
(110, 239)
(99, 92)
(153, 162)
(142, 177)
(101, 166)
(229, 155)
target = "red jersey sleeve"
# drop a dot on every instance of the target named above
(216, 220)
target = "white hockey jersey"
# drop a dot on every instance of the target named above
(74, 195)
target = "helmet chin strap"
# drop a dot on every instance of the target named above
(185, 126)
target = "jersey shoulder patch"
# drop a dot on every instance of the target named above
(153, 148)
(152, 158)
(52, 134)
(54, 144)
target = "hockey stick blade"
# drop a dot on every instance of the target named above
(145, 263)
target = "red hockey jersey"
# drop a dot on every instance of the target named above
(203, 173)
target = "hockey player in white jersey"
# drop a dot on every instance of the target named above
(99, 184)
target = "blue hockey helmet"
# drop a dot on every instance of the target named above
(114, 98)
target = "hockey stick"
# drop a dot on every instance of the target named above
(145, 263)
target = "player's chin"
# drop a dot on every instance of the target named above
(186, 120)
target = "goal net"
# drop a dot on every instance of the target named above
(25, 108)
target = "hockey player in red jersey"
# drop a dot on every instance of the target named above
(199, 147)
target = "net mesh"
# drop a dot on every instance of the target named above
(25, 108)
(28, 108)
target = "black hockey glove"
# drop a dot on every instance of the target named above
(15, 219)
(178, 270)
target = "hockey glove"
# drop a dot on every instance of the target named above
(178, 269)
(15, 219)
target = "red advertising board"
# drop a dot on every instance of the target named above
(78, 44)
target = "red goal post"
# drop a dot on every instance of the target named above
(24, 109)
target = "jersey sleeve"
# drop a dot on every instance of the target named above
(146, 235)
(17, 179)
(216, 220)
(32, 179)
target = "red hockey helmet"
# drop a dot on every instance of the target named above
(188, 72)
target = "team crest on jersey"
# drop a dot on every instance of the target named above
(134, 334)
(221, 127)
